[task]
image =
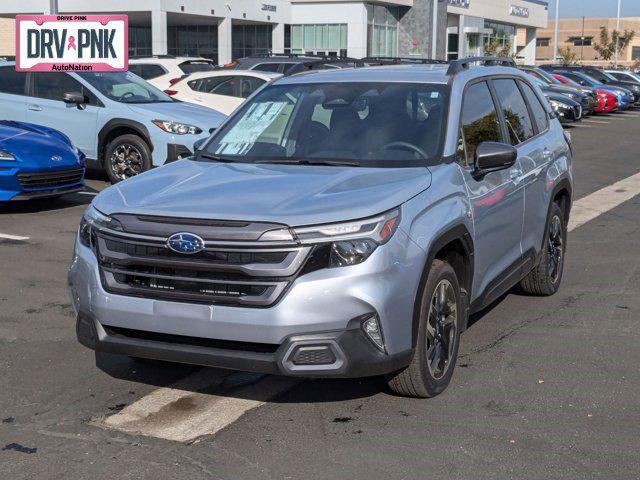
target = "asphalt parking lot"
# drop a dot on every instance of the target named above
(545, 387)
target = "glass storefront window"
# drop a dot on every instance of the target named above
(382, 30)
(250, 40)
(139, 41)
(502, 32)
(192, 40)
(319, 38)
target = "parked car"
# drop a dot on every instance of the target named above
(567, 110)
(586, 96)
(607, 101)
(37, 162)
(342, 223)
(283, 63)
(600, 76)
(624, 75)
(222, 90)
(162, 71)
(119, 121)
(586, 101)
(624, 96)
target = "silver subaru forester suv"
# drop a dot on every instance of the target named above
(341, 223)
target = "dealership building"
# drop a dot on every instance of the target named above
(227, 29)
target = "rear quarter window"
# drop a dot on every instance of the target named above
(539, 112)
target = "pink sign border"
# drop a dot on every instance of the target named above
(96, 67)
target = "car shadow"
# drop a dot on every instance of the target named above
(304, 390)
(236, 384)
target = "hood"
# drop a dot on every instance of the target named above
(558, 97)
(36, 146)
(566, 89)
(290, 194)
(204, 117)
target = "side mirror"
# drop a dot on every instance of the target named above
(74, 97)
(197, 145)
(493, 156)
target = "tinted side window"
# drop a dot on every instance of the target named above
(227, 87)
(136, 69)
(249, 85)
(210, 85)
(539, 113)
(267, 67)
(514, 108)
(12, 81)
(53, 86)
(152, 71)
(479, 120)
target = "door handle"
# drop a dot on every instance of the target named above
(35, 108)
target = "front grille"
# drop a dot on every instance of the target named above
(250, 276)
(50, 180)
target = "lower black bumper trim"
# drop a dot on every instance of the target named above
(359, 358)
(47, 193)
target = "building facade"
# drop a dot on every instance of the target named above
(580, 35)
(227, 29)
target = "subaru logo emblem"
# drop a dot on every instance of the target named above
(56, 158)
(185, 243)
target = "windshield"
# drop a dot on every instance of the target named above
(359, 124)
(125, 87)
(600, 76)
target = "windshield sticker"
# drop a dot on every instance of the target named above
(246, 132)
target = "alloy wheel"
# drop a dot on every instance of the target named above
(555, 249)
(126, 161)
(441, 329)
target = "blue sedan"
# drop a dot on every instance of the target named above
(37, 162)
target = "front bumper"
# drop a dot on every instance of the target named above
(345, 354)
(324, 307)
(40, 183)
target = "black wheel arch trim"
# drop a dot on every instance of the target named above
(457, 232)
(114, 123)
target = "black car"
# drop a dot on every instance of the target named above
(567, 110)
(599, 75)
(588, 96)
(289, 63)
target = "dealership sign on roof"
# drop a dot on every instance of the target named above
(59, 43)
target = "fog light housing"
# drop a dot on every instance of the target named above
(371, 328)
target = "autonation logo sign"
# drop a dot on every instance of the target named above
(58, 43)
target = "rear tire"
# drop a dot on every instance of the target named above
(126, 156)
(545, 278)
(434, 359)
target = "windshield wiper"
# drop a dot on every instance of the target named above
(215, 158)
(306, 161)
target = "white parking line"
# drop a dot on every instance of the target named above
(600, 202)
(201, 404)
(580, 125)
(596, 121)
(13, 237)
(93, 194)
(207, 401)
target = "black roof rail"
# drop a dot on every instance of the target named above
(457, 66)
(285, 55)
(400, 60)
(307, 66)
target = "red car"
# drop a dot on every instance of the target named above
(607, 101)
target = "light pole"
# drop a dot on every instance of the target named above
(434, 28)
(555, 34)
(582, 43)
(618, 37)
(53, 7)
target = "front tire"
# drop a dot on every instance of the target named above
(434, 359)
(545, 278)
(126, 156)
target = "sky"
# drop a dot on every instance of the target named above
(594, 8)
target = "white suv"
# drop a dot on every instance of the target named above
(222, 90)
(162, 71)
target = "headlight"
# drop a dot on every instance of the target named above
(94, 220)
(555, 105)
(6, 156)
(350, 243)
(570, 95)
(177, 128)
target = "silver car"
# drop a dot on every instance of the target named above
(341, 223)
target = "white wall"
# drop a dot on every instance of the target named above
(354, 14)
